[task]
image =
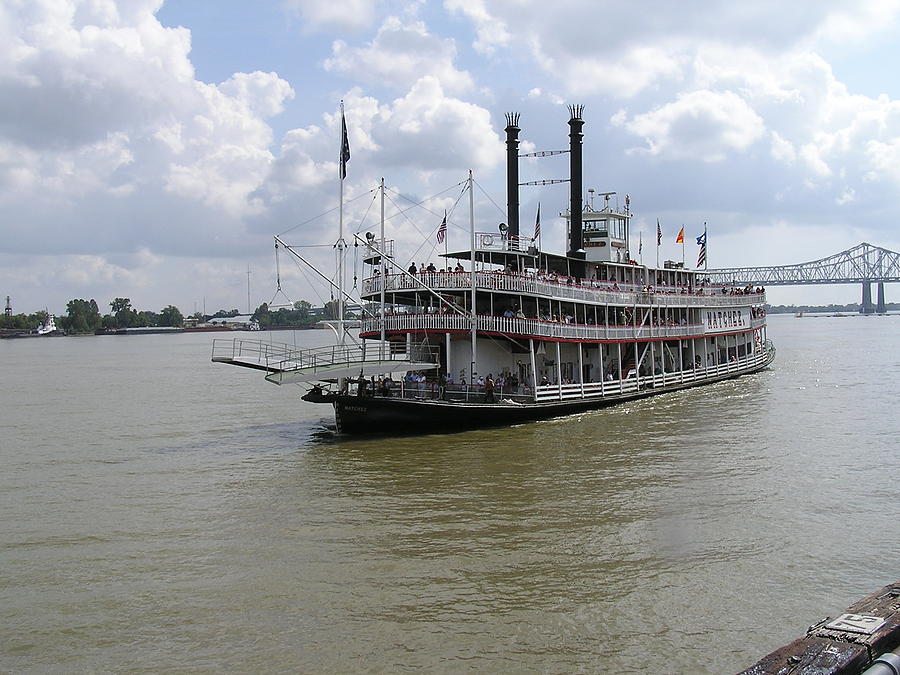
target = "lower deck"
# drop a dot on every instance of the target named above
(424, 408)
(527, 368)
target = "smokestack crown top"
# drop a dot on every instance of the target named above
(575, 112)
(512, 119)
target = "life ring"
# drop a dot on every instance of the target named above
(487, 239)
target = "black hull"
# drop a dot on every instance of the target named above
(366, 415)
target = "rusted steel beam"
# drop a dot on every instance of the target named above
(845, 645)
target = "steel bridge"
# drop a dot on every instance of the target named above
(862, 264)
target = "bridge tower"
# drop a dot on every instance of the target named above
(867, 307)
(879, 303)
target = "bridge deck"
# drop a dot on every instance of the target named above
(860, 264)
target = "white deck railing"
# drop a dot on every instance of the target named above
(463, 393)
(531, 327)
(593, 292)
(555, 392)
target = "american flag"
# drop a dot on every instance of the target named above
(442, 230)
(658, 233)
(537, 224)
(701, 242)
(345, 145)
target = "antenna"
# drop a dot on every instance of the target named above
(249, 308)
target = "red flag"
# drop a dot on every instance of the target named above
(680, 238)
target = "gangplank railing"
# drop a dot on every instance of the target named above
(275, 357)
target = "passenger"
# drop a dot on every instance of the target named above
(386, 386)
(489, 388)
(412, 268)
(431, 268)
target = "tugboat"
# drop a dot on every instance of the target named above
(47, 328)
(512, 333)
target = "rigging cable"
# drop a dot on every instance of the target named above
(325, 213)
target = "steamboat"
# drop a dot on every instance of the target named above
(506, 332)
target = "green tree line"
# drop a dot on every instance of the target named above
(83, 316)
(299, 316)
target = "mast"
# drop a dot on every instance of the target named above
(472, 278)
(383, 271)
(340, 245)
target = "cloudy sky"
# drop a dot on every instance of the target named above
(151, 149)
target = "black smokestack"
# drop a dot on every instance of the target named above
(576, 235)
(512, 174)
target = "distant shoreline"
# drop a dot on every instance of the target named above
(818, 309)
(11, 333)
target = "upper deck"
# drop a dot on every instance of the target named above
(594, 292)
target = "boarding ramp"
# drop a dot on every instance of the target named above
(284, 364)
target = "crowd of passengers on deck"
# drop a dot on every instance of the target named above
(702, 287)
(417, 383)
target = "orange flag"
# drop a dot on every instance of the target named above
(680, 238)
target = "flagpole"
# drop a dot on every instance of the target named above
(382, 273)
(340, 242)
(474, 316)
(706, 246)
(658, 239)
(682, 246)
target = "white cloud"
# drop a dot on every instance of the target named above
(423, 131)
(782, 149)
(328, 14)
(491, 31)
(400, 54)
(100, 113)
(863, 21)
(427, 129)
(883, 159)
(701, 125)
(811, 155)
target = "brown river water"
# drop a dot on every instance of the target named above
(162, 513)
